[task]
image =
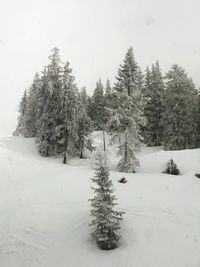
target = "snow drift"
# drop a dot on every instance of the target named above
(44, 210)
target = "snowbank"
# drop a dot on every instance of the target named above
(44, 211)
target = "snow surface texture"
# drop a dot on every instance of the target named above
(44, 210)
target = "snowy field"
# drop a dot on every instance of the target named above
(44, 211)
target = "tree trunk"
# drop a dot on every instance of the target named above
(81, 155)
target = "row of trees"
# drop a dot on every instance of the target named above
(170, 104)
(140, 108)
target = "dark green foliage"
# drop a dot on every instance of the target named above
(108, 100)
(154, 93)
(84, 99)
(83, 130)
(179, 123)
(97, 110)
(172, 168)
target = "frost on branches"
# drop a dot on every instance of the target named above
(126, 114)
(106, 221)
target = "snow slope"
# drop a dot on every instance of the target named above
(44, 211)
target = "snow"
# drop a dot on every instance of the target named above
(44, 210)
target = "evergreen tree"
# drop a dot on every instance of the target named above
(154, 92)
(97, 112)
(42, 95)
(108, 89)
(127, 113)
(32, 108)
(48, 135)
(71, 111)
(106, 221)
(20, 130)
(84, 130)
(108, 100)
(84, 99)
(180, 127)
(172, 168)
(84, 124)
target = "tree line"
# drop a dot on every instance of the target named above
(140, 108)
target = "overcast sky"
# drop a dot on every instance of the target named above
(93, 35)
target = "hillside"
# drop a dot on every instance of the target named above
(44, 210)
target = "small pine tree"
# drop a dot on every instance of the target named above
(172, 168)
(106, 221)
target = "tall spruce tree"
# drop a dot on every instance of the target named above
(106, 221)
(84, 99)
(48, 135)
(154, 93)
(42, 95)
(108, 100)
(180, 127)
(71, 111)
(127, 113)
(108, 89)
(84, 124)
(97, 110)
(83, 130)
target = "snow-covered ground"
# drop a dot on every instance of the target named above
(44, 211)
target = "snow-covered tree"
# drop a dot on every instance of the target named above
(20, 130)
(42, 94)
(108, 89)
(84, 99)
(71, 112)
(108, 100)
(172, 168)
(84, 126)
(106, 221)
(97, 109)
(32, 108)
(180, 127)
(154, 93)
(48, 134)
(126, 115)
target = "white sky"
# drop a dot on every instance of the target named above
(93, 35)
